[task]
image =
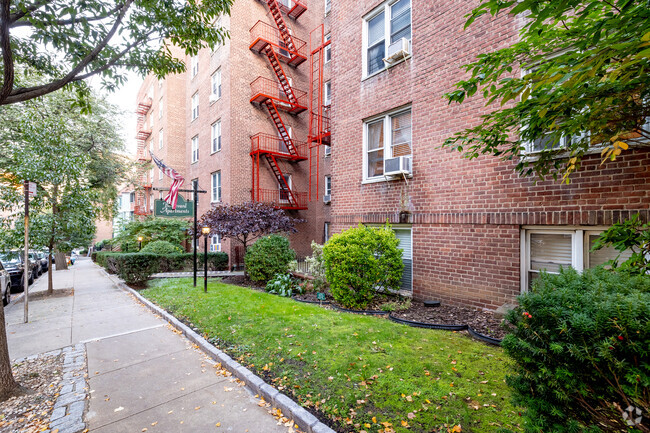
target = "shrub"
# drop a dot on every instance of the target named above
(161, 247)
(580, 346)
(283, 285)
(360, 260)
(134, 268)
(267, 257)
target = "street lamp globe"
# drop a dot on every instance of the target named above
(205, 230)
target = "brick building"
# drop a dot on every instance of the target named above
(237, 121)
(473, 232)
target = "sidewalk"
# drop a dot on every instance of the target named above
(142, 376)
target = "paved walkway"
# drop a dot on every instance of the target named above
(143, 376)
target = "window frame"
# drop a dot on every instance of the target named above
(194, 66)
(328, 185)
(195, 148)
(216, 125)
(388, 152)
(161, 139)
(385, 7)
(327, 93)
(328, 49)
(215, 187)
(215, 246)
(195, 106)
(215, 78)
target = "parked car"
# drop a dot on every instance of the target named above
(37, 258)
(5, 285)
(12, 261)
(44, 261)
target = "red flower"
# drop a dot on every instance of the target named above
(620, 337)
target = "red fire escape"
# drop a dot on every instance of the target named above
(279, 46)
(319, 114)
(141, 137)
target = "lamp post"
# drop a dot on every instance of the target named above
(139, 243)
(206, 232)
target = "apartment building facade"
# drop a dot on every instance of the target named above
(473, 232)
(237, 121)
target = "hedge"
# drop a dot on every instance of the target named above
(135, 268)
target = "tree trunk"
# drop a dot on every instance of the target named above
(50, 271)
(61, 261)
(8, 385)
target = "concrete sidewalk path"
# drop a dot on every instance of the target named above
(142, 374)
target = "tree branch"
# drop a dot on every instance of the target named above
(7, 53)
(27, 11)
(33, 92)
(68, 22)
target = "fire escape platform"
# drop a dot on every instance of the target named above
(143, 134)
(267, 144)
(279, 199)
(263, 89)
(293, 8)
(143, 107)
(263, 34)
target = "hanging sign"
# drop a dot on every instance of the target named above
(184, 209)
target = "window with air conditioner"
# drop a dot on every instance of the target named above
(547, 249)
(327, 196)
(387, 141)
(215, 86)
(195, 105)
(194, 62)
(216, 186)
(215, 243)
(195, 149)
(387, 29)
(216, 136)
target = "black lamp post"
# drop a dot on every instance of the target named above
(139, 243)
(206, 232)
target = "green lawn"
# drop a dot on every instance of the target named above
(363, 372)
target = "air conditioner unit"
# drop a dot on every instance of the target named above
(327, 150)
(397, 166)
(327, 198)
(213, 98)
(397, 51)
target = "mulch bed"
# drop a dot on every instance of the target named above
(483, 322)
(313, 297)
(243, 281)
(31, 413)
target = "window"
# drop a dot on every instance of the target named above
(195, 66)
(328, 49)
(160, 139)
(132, 197)
(216, 85)
(160, 108)
(216, 186)
(284, 194)
(328, 6)
(405, 237)
(388, 136)
(327, 93)
(328, 150)
(217, 25)
(326, 230)
(195, 148)
(151, 175)
(195, 105)
(160, 174)
(215, 243)
(328, 185)
(385, 26)
(216, 136)
(548, 250)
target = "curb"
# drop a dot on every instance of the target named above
(305, 420)
(304, 301)
(484, 338)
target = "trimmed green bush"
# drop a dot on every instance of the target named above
(161, 247)
(581, 345)
(360, 260)
(267, 257)
(134, 268)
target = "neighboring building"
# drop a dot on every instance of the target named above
(473, 232)
(237, 121)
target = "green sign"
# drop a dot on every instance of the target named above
(184, 209)
(320, 296)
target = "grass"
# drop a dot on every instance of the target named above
(362, 373)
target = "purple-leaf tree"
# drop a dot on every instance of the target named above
(248, 221)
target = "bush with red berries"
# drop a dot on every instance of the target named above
(581, 346)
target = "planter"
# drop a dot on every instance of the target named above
(484, 338)
(430, 304)
(428, 325)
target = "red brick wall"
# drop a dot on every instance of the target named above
(466, 215)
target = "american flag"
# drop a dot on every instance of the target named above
(177, 181)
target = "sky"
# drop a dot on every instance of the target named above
(125, 99)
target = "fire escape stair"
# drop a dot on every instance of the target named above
(282, 129)
(281, 24)
(284, 187)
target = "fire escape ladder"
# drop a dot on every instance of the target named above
(279, 125)
(284, 186)
(279, 72)
(281, 24)
(315, 138)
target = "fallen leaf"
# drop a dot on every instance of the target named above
(410, 415)
(218, 424)
(456, 429)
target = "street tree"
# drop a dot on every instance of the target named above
(578, 76)
(69, 41)
(247, 221)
